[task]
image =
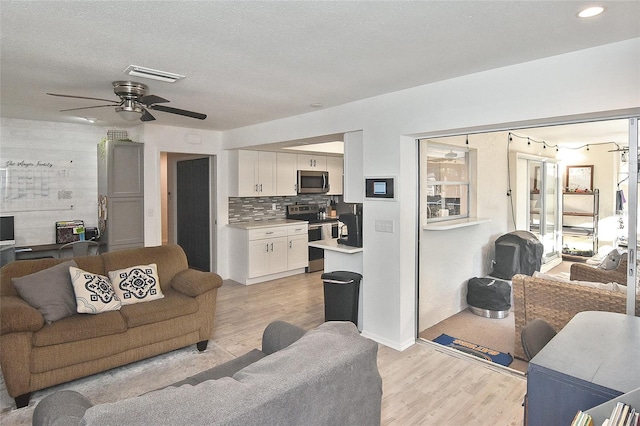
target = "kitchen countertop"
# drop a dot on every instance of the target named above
(257, 224)
(333, 245)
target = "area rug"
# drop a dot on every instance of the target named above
(475, 350)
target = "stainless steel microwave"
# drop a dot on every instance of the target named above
(313, 182)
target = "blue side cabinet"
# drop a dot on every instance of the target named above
(591, 361)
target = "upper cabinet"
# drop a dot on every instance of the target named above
(253, 173)
(312, 162)
(335, 167)
(267, 174)
(286, 174)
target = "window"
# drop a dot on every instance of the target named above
(447, 182)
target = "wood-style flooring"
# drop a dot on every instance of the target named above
(423, 385)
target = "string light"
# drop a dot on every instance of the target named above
(556, 146)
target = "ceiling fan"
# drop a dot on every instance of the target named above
(134, 103)
(449, 156)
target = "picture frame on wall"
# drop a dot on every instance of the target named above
(579, 179)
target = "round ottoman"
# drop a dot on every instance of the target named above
(489, 297)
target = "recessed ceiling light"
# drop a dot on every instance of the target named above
(316, 105)
(91, 119)
(591, 11)
(144, 72)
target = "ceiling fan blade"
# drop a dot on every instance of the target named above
(183, 112)
(89, 107)
(83, 97)
(151, 99)
(146, 116)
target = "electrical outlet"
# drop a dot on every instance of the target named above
(384, 225)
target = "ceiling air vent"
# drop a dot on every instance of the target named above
(144, 72)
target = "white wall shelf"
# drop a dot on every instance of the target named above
(456, 223)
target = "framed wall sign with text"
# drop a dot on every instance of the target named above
(579, 179)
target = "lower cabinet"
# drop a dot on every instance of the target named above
(264, 253)
(297, 247)
(267, 256)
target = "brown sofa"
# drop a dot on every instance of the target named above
(557, 302)
(35, 354)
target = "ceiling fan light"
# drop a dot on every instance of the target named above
(130, 110)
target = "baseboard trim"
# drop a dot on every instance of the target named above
(386, 342)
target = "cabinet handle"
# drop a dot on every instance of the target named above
(310, 163)
(271, 246)
(269, 232)
(267, 247)
(260, 187)
(256, 187)
(290, 243)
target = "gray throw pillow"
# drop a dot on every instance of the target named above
(611, 261)
(49, 291)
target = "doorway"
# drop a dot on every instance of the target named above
(192, 208)
(442, 288)
(189, 207)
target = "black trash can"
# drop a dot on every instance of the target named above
(341, 291)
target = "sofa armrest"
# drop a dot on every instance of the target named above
(584, 272)
(64, 407)
(278, 335)
(17, 315)
(193, 283)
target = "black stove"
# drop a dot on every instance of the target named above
(308, 212)
(311, 213)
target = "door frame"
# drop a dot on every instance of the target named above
(169, 207)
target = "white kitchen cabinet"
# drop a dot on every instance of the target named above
(298, 247)
(286, 174)
(267, 256)
(253, 173)
(259, 252)
(335, 167)
(312, 162)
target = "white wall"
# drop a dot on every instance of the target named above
(158, 139)
(539, 90)
(73, 144)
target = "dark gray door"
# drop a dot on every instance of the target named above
(193, 223)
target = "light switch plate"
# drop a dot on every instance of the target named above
(384, 225)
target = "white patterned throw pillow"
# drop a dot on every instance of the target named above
(137, 284)
(94, 293)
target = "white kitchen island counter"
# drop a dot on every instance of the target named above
(332, 245)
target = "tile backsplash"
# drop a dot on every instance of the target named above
(249, 209)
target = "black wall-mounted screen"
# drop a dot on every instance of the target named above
(379, 188)
(6, 229)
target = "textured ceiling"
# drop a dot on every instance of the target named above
(251, 62)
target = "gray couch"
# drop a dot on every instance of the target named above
(327, 376)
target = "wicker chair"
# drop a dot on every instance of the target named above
(584, 272)
(556, 302)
